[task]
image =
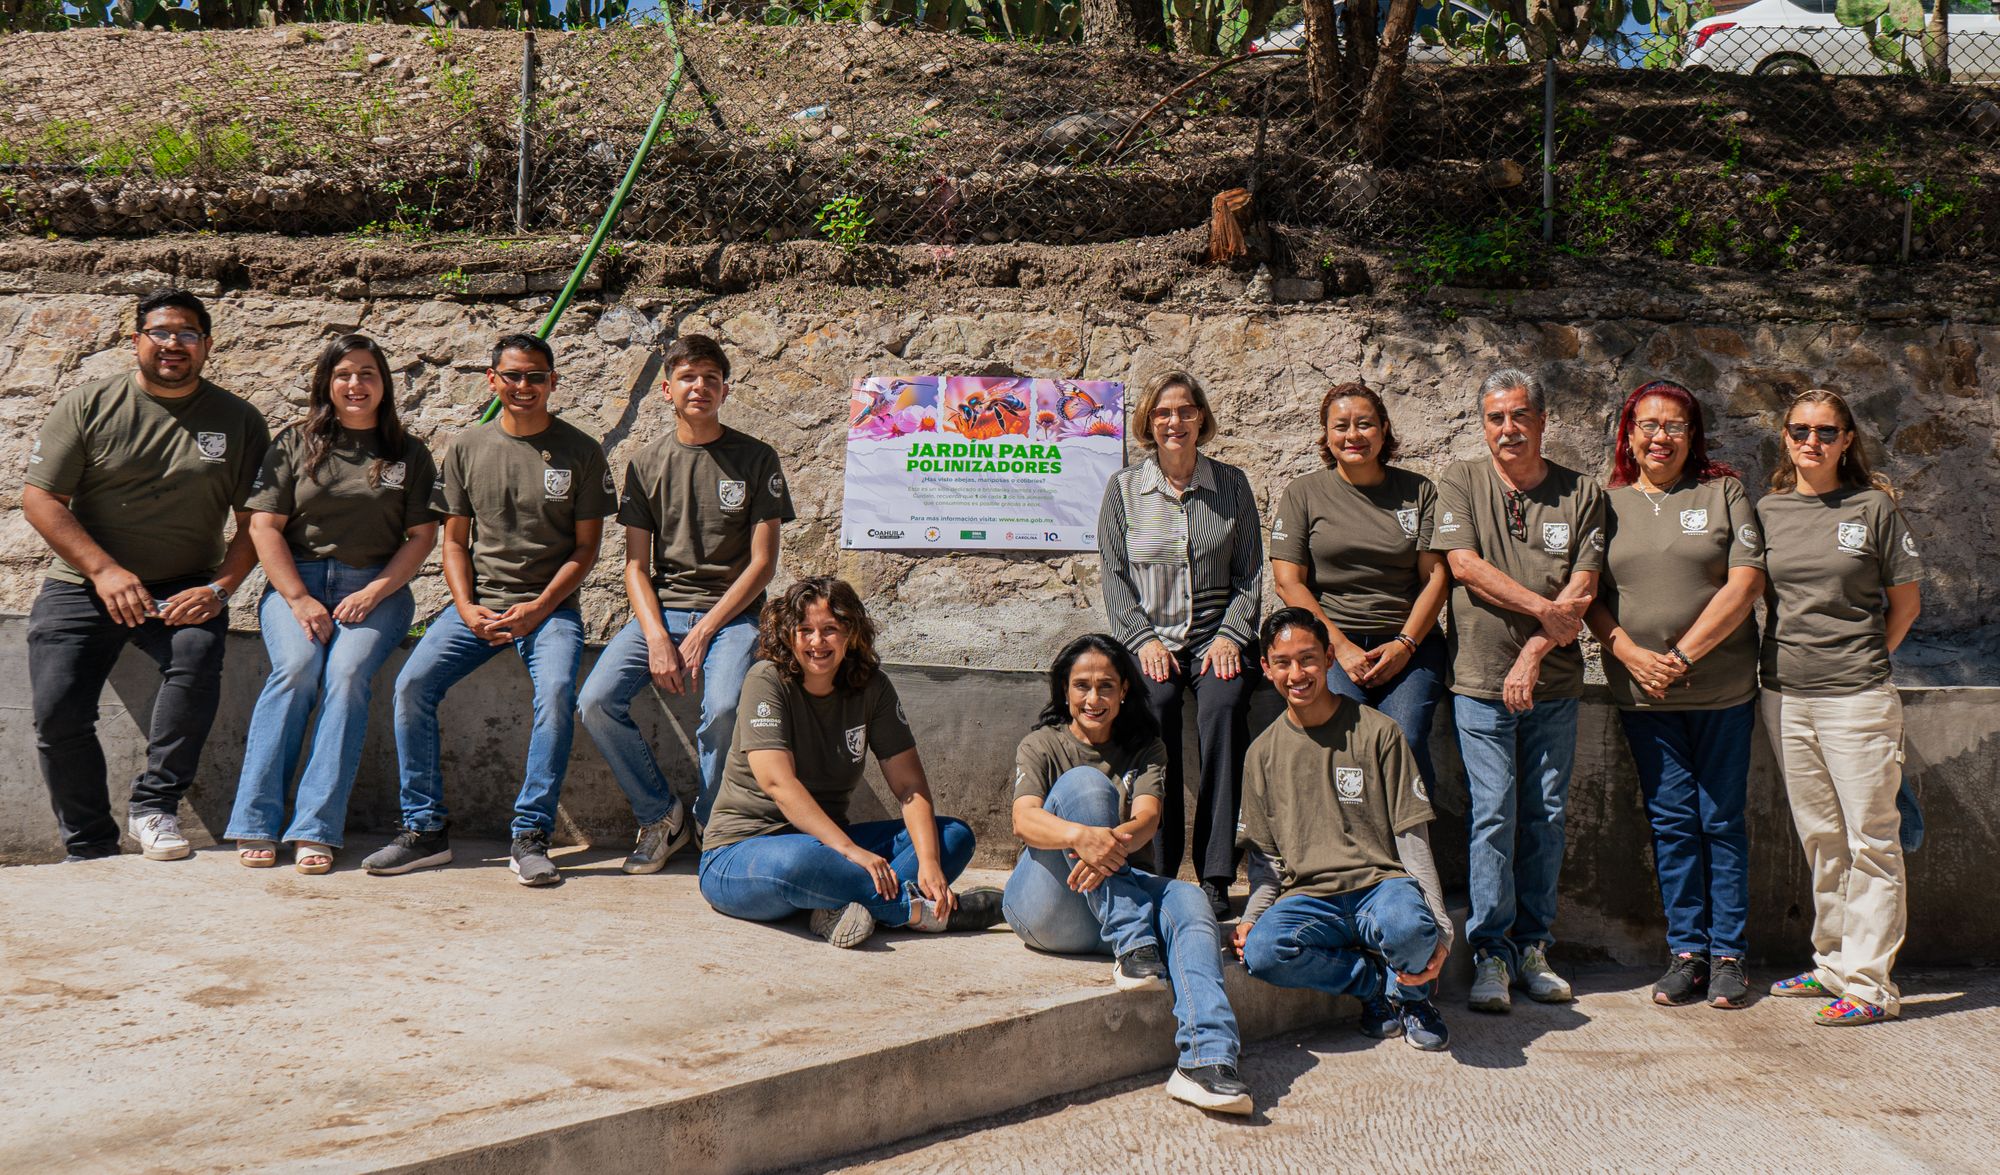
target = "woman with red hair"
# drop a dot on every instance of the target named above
(1683, 565)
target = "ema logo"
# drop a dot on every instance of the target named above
(776, 485)
(1747, 535)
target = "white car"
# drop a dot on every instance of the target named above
(1803, 36)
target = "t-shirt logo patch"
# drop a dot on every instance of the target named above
(731, 493)
(1852, 535)
(1417, 786)
(1347, 781)
(776, 485)
(1407, 519)
(1448, 524)
(1694, 521)
(1910, 546)
(857, 737)
(555, 482)
(1278, 529)
(35, 454)
(212, 446)
(1555, 537)
(1747, 535)
(764, 719)
(393, 474)
(610, 487)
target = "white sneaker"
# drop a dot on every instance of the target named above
(160, 838)
(1489, 985)
(1540, 980)
(847, 927)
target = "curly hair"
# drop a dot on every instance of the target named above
(1625, 467)
(1134, 720)
(784, 613)
(1359, 391)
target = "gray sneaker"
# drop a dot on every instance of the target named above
(1540, 980)
(159, 836)
(529, 859)
(847, 927)
(1489, 985)
(658, 841)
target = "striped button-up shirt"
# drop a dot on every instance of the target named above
(1181, 568)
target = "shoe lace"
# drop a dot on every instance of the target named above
(1685, 964)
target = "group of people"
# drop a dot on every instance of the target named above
(134, 478)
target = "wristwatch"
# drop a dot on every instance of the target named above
(221, 593)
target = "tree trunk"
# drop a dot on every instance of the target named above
(1323, 64)
(1371, 127)
(1123, 24)
(1939, 36)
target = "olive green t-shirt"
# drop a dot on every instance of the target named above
(1325, 805)
(525, 496)
(1661, 568)
(702, 502)
(336, 513)
(1137, 768)
(1830, 559)
(151, 480)
(1564, 535)
(1358, 544)
(829, 739)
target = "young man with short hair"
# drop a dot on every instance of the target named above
(1524, 538)
(524, 499)
(130, 483)
(702, 507)
(1344, 895)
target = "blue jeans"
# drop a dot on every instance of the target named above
(605, 705)
(340, 676)
(450, 651)
(779, 874)
(1131, 909)
(1347, 944)
(1694, 769)
(1410, 697)
(1517, 770)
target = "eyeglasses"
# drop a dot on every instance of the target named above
(163, 336)
(1673, 428)
(1827, 433)
(1517, 514)
(1187, 414)
(515, 379)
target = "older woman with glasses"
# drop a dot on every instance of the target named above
(1683, 566)
(1183, 576)
(1843, 594)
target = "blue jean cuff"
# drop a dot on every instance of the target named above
(1197, 1062)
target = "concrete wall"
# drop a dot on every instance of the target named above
(969, 721)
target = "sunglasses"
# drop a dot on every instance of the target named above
(1827, 433)
(1517, 514)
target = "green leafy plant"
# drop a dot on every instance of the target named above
(1497, 252)
(844, 221)
(456, 280)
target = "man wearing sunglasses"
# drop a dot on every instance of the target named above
(130, 483)
(1524, 538)
(524, 498)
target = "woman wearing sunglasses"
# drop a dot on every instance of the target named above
(1842, 595)
(1683, 566)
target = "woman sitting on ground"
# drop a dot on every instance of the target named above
(778, 841)
(1087, 787)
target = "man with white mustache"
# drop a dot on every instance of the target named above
(130, 483)
(1524, 538)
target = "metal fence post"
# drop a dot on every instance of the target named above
(526, 142)
(1548, 150)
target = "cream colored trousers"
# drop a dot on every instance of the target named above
(1843, 763)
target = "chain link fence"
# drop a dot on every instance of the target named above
(1723, 142)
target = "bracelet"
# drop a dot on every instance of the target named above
(1676, 654)
(1406, 639)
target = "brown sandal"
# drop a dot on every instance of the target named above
(267, 853)
(311, 857)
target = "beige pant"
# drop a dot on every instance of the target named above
(1843, 764)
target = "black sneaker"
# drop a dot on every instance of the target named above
(976, 909)
(410, 851)
(1728, 986)
(1217, 893)
(90, 853)
(1140, 969)
(1211, 1087)
(1423, 1027)
(529, 859)
(1685, 982)
(1379, 1018)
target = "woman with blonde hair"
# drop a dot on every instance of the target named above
(1843, 591)
(1183, 579)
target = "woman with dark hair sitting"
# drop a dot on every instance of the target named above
(1087, 788)
(778, 841)
(341, 519)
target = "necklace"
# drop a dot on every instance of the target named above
(1664, 494)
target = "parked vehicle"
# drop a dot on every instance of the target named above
(1420, 50)
(1804, 36)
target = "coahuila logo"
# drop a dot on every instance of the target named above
(884, 534)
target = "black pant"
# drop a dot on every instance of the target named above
(1222, 719)
(73, 644)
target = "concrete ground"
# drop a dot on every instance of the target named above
(196, 1015)
(1610, 1083)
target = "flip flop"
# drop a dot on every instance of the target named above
(311, 857)
(246, 847)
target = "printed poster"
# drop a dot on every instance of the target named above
(980, 462)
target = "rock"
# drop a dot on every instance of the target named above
(931, 69)
(931, 104)
(1084, 136)
(1501, 174)
(1298, 289)
(377, 60)
(1261, 287)
(619, 325)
